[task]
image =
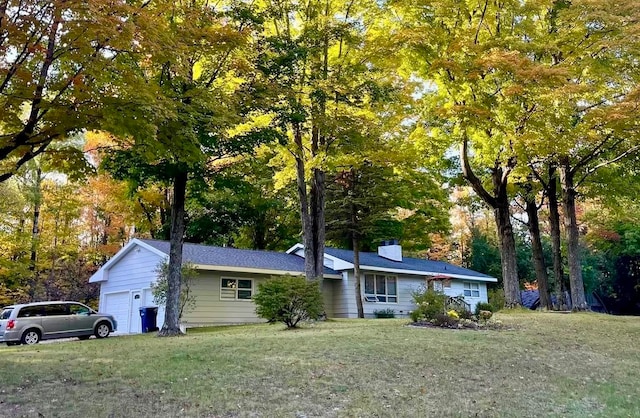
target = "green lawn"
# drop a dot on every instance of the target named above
(547, 365)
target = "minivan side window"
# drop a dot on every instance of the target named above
(5, 314)
(29, 311)
(75, 309)
(55, 310)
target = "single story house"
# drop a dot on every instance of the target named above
(228, 278)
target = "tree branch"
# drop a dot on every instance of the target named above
(605, 163)
(473, 180)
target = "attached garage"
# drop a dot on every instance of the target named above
(125, 307)
(117, 304)
(125, 285)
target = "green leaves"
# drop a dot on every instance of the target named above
(289, 300)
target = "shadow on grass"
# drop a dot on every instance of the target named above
(216, 328)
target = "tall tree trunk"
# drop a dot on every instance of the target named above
(260, 232)
(35, 233)
(35, 220)
(537, 253)
(556, 249)
(356, 266)
(578, 299)
(510, 281)
(171, 325)
(318, 193)
(499, 202)
(305, 219)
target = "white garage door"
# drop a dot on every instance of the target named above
(117, 304)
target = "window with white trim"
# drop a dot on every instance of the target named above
(236, 289)
(472, 289)
(380, 288)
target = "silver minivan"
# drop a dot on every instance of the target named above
(29, 323)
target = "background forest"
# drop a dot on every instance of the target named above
(500, 136)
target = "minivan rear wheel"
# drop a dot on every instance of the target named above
(31, 336)
(102, 330)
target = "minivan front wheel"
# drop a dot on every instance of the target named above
(102, 330)
(30, 337)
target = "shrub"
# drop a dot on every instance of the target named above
(444, 320)
(485, 315)
(289, 300)
(385, 313)
(416, 315)
(429, 303)
(484, 307)
(160, 287)
(465, 314)
(497, 299)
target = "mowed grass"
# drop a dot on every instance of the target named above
(546, 365)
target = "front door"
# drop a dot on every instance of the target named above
(135, 324)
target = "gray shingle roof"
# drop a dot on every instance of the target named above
(414, 264)
(233, 257)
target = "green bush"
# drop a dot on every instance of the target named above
(484, 307)
(385, 313)
(289, 300)
(160, 287)
(416, 315)
(444, 320)
(465, 314)
(497, 299)
(429, 303)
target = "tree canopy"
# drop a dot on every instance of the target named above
(466, 129)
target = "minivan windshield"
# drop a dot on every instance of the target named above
(6, 313)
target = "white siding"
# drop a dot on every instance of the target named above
(406, 286)
(134, 272)
(345, 302)
(457, 289)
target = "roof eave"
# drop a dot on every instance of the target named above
(252, 270)
(295, 248)
(429, 273)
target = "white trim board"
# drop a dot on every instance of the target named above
(429, 273)
(257, 271)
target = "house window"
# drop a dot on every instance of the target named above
(472, 290)
(380, 288)
(236, 289)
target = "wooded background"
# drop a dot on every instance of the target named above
(501, 136)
